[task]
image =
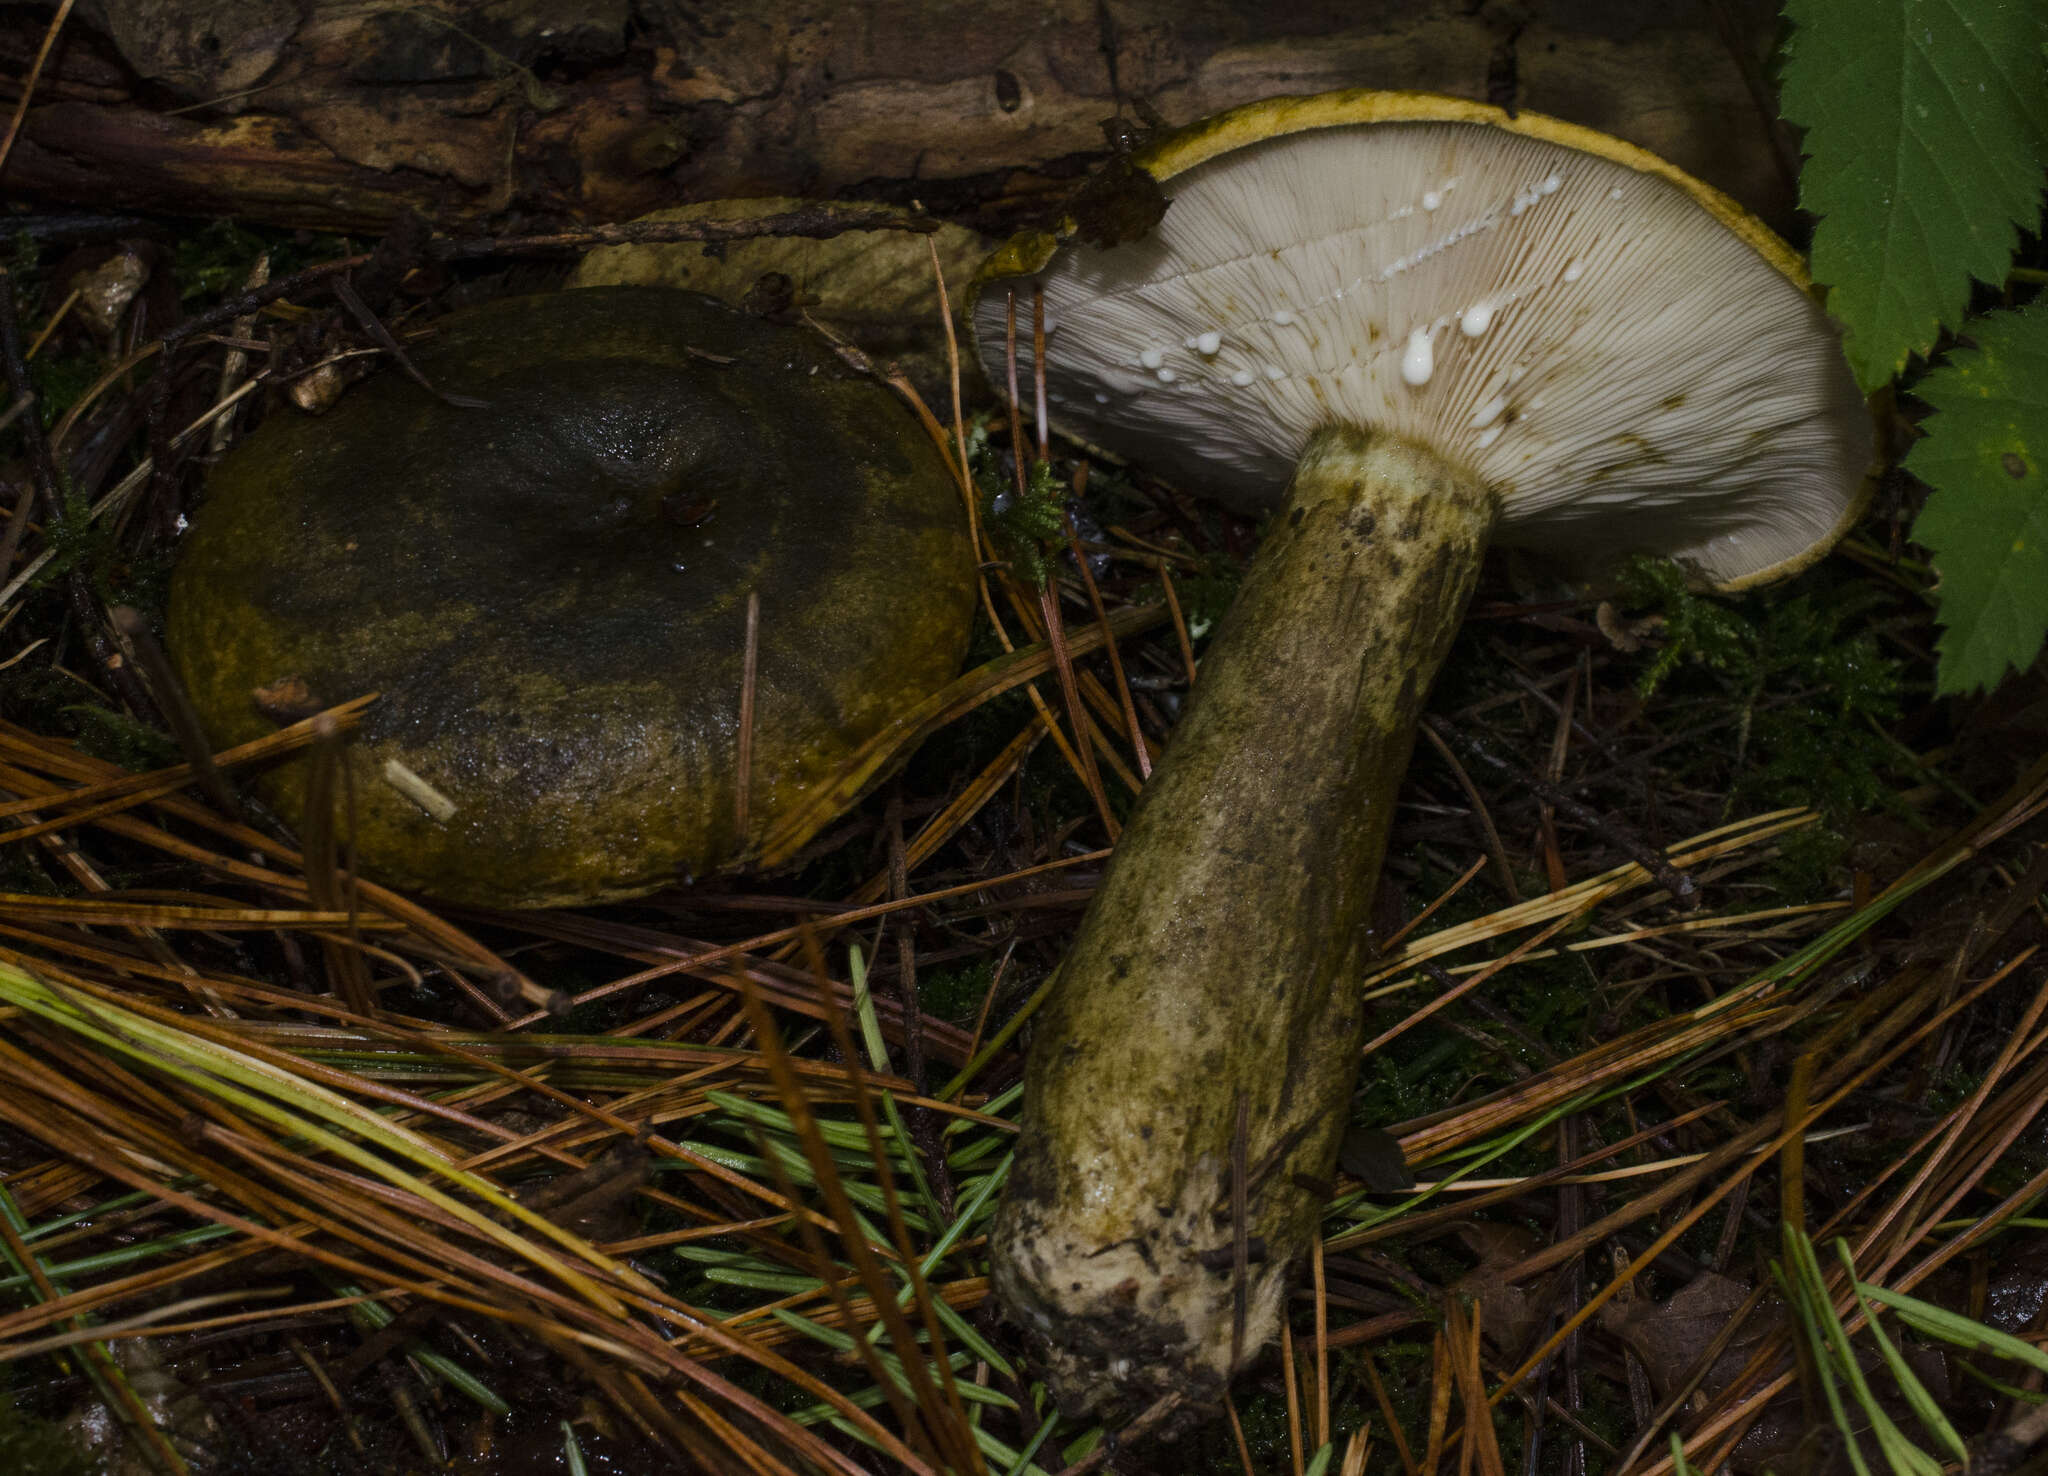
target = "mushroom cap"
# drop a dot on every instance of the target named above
(875, 287)
(550, 592)
(1627, 359)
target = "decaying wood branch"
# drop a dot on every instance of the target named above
(479, 113)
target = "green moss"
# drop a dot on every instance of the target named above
(214, 260)
(1405, 1366)
(1696, 630)
(1263, 1418)
(59, 380)
(1028, 530)
(1205, 596)
(122, 573)
(46, 700)
(117, 738)
(1809, 686)
(955, 994)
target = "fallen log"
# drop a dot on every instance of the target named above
(482, 114)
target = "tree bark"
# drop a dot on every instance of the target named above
(340, 114)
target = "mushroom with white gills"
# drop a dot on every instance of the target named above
(1407, 327)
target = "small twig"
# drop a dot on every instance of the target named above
(1679, 884)
(35, 74)
(1244, 1451)
(1458, 991)
(743, 779)
(2003, 1450)
(424, 1436)
(373, 325)
(923, 1124)
(319, 1372)
(236, 364)
(1504, 872)
(1440, 1390)
(1553, 771)
(327, 882)
(1401, 934)
(73, 230)
(42, 467)
(177, 707)
(959, 419)
(812, 224)
(1240, 1230)
(56, 321)
(418, 790)
(1016, 410)
(1063, 663)
(1155, 1415)
(17, 526)
(255, 299)
(988, 999)
(136, 1419)
(1116, 661)
(1290, 1380)
(1322, 1295)
(1379, 1394)
(1180, 623)
(1038, 361)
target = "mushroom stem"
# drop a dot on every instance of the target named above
(1215, 976)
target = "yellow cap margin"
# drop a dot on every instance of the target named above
(1276, 117)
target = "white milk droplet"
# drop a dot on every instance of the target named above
(1209, 342)
(1515, 373)
(1488, 413)
(1431, 199)
(1167, 376)
(1550, 185)
(1491, 434)
(1101, 398)
(1615, 193)
(1274, 371)
(1575, 269)
(1418, 360)
(1242, 378)
(1476, 319)
(1152, 358)
(1283, 317)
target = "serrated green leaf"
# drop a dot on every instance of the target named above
(1926, 132)
(1986, 457)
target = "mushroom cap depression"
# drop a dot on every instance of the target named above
(550, 592)
(1624, 357)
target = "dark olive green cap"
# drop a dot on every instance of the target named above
(550, 592)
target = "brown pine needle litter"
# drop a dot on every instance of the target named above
(702, 1181)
